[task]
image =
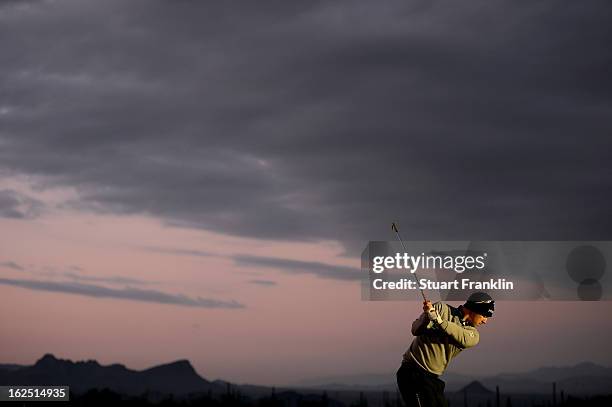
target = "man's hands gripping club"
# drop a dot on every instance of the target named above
(431, 312)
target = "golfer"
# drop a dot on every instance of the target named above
(441, 332)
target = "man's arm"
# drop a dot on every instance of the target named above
(465, 336)
(420, 324)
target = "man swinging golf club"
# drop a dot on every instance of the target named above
(441, 333)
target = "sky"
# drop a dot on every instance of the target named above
(191, 180)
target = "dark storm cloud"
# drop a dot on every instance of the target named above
(322, 270)
(11, 265)
(308, 121)
(18, 206)
(75, 273)
(178, 252)
(266, 283)
(17, 3)
(110, 280)
(127, 293)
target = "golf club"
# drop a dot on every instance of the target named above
(396, 230)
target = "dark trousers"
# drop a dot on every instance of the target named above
(420, 388)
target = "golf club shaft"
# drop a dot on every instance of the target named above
(396, 230)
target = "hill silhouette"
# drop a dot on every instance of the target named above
(93, 383)
(173, 378)
(585, 378)
(476, 387)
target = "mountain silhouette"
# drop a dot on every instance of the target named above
(173, 378)
(177, 378)
(180, 379)
(475, 387)
(583, 378)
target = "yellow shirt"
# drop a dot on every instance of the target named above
(436, 344)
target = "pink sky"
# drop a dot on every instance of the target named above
(302, 327)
